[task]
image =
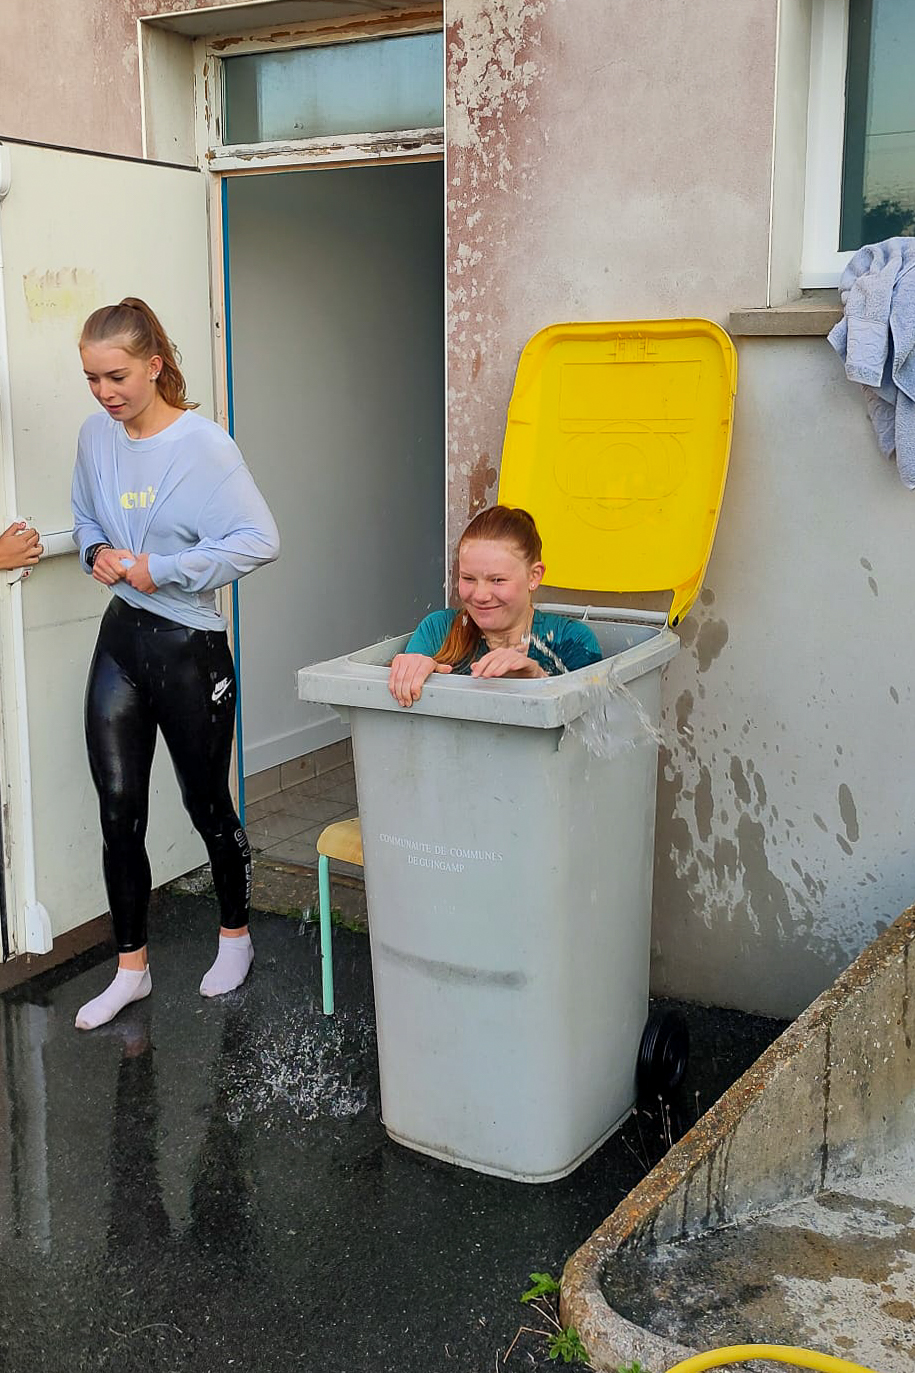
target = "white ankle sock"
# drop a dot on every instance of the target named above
(128, 985)
(234, 959)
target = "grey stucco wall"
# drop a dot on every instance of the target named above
(785, 799)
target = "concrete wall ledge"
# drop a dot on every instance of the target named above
(836, 1088)
(813, 314)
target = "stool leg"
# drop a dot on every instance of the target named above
(327, 954)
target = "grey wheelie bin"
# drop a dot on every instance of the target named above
(508, 826)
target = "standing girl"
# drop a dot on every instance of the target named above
(165, 512)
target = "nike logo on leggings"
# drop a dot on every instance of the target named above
(221, 688)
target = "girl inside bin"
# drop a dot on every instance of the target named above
(165, 512)
(497, 632)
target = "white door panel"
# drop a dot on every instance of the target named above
(77, 231)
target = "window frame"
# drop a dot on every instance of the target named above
(821, 261)
(221, 157)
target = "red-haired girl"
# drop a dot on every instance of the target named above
(498, 632)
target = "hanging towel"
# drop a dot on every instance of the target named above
(876, 340)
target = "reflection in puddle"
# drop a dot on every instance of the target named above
(24, 1194)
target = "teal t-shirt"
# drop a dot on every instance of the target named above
(572, 641)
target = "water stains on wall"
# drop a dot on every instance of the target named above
(739, 778)
(712, 635)
(482, 477)
(724, 891)
(871, 581)
(849, 813)
(710, 642)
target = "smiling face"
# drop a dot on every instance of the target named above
(495, 583)
(123, 384)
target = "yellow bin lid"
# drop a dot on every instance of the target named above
(617, 442)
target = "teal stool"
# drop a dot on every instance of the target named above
(343, 841)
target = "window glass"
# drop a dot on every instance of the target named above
(371, 86)
(878, 183)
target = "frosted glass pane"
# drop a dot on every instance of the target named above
(372, 86)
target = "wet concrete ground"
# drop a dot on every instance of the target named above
(206, 1185)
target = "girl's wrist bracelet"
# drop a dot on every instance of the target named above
(93, 551)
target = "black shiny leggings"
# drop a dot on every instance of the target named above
(148, 672)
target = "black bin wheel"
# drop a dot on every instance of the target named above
(663, 1055)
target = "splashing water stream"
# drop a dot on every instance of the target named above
(613, 721)
(549, 653)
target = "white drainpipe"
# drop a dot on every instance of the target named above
(31, 923)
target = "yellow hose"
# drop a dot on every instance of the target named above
(783, 1353)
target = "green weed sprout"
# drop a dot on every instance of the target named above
(543, 1285)
(567, 1345)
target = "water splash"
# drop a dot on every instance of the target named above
(313, 1069)
(613, 721)
(549, 653)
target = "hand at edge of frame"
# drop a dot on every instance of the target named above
(19, 546)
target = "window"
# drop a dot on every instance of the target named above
(860, 185)
(878, 173)
(384, 86)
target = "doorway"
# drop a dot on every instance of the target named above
(336, 327)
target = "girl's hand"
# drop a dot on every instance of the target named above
(137, 575)
(408, 675)
(507, 662)
(19, 547)
(108, 567)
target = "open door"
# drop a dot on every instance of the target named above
(77, 231)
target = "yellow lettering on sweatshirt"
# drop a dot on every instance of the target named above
(138, 500)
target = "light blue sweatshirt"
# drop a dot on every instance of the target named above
(186, 498)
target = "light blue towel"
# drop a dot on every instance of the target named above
(876, 339)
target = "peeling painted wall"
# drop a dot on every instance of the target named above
(69, 74)
(605, 160)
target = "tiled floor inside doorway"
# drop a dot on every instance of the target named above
(286, 824)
